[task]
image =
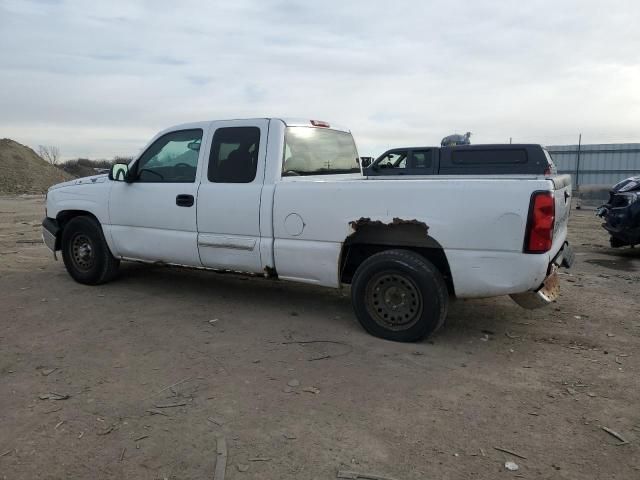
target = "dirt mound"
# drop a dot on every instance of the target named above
(23, 171)
(83, 167)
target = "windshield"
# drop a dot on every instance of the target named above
(318, 151)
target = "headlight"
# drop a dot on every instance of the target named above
(621, 200)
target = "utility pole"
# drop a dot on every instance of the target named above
(578, 162)
(510, 140)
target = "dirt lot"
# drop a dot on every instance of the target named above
(160, 363)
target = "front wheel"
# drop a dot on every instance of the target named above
(399, 295)
(85, 252)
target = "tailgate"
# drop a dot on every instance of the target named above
(562, 193)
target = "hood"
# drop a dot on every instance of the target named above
(81, 181)
(631, 184)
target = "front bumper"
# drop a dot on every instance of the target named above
(550, 289)
(622, 218)
(50, 237)
(624, 231)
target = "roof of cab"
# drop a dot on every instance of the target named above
(306, 122)
(289, 122)
(475, 146)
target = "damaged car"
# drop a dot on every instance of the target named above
(621, 214)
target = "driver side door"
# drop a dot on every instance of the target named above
(153, 216)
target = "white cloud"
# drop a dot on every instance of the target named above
(100, 78)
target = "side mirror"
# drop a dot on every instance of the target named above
(365, 162)
(119, 172)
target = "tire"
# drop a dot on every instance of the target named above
(399, 295)
(85, 252)
(616, 242)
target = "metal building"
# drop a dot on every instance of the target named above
(601, 165)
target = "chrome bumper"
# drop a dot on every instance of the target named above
(550, 289)
(50, 230)
(542, 297)
(49, 240)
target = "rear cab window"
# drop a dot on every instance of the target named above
(500, 159)
(489, 156)
(318, 151)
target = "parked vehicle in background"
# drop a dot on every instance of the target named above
(287, 199)
(499, 159)
(621, 213)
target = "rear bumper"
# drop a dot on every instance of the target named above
(50, 231)
(565, 257)
(550, 288)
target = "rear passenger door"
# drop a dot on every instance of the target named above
(228, 202)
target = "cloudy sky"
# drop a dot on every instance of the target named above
(100, 78)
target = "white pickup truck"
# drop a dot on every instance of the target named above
(287, 199)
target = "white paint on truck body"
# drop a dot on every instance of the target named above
(481, 232)
(479, 221)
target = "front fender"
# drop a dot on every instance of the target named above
(82, 199)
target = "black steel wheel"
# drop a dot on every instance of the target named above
(82, 252)
(399, 295)
(393, 300)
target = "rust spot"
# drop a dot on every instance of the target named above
(270, 272)
(367, 222)
(398, 232)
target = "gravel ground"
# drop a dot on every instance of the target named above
(163, 362)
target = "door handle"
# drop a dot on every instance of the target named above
(184, 200)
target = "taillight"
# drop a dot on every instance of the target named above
(542, 215)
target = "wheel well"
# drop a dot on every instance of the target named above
(65, 216)
(353, 254)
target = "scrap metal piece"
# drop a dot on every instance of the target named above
(615, 434)
(510, 452)
(361, 476)
(221, 459)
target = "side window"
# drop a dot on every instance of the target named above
(421, 159)
(234, 155)
(173, 158)
(394, 160)
(489, 157)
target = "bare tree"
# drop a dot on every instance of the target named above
(50, 153)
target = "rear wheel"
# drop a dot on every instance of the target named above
(85, 252)
(399, 295)
(616, 242)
